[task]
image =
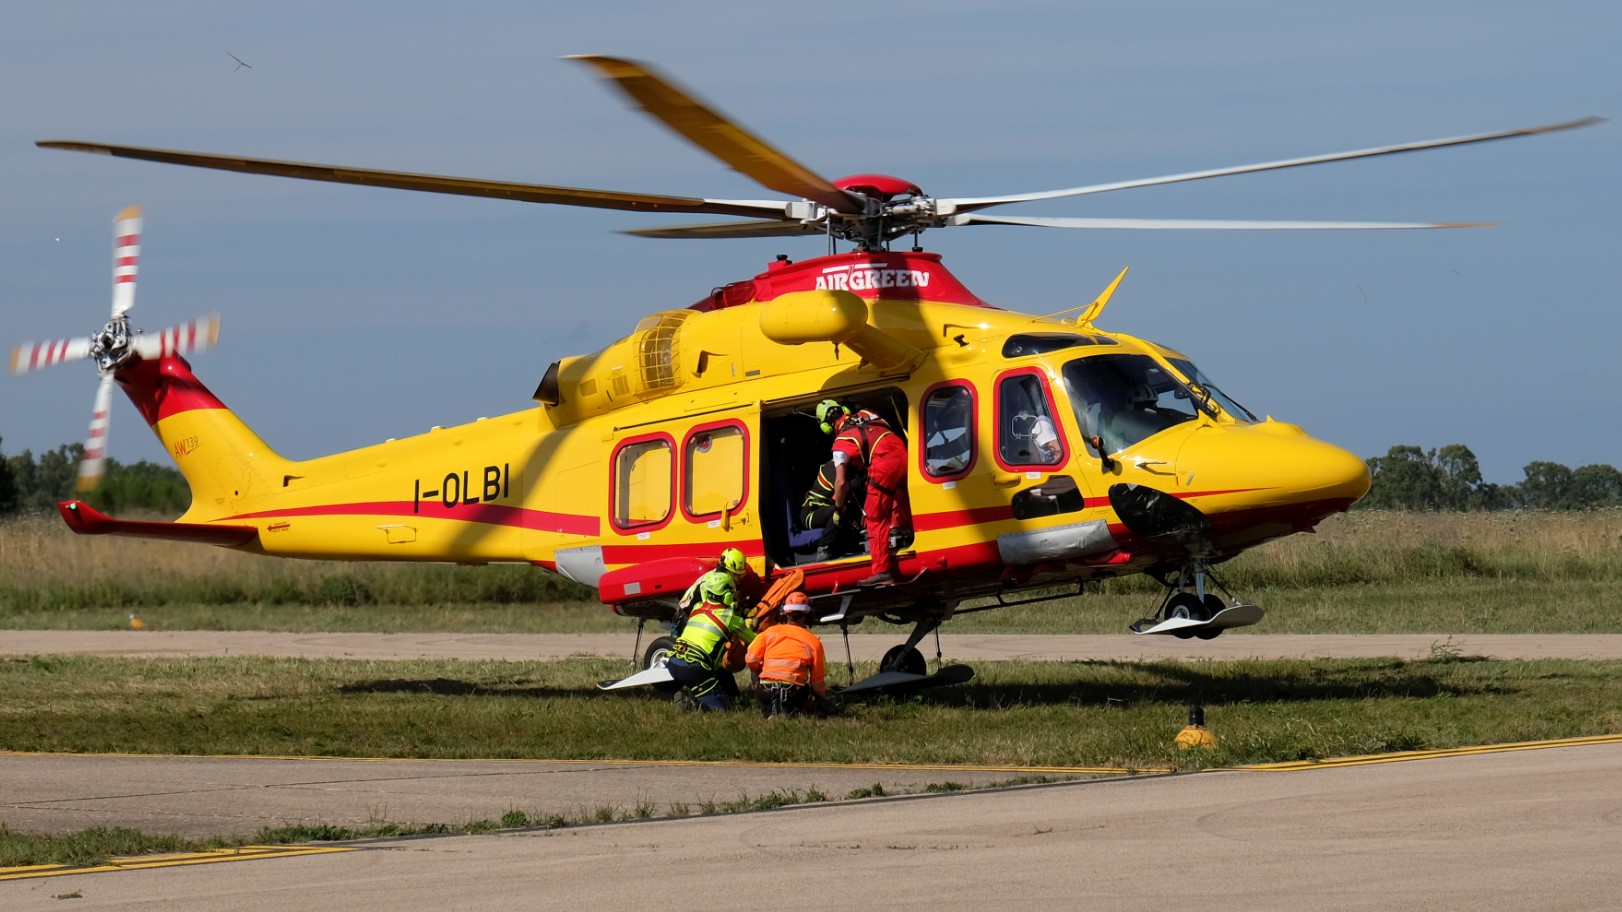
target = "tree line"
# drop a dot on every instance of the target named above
(30, 484)
(1410, 478)
(1405, 478)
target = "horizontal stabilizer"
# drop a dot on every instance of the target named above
(87, 520)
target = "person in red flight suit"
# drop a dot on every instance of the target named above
(865, 445)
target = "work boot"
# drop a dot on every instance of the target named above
(824, 555)
(879, 579)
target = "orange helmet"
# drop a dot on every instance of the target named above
(796, 603)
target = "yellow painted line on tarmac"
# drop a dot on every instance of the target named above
(1404, 756)
(137, 862)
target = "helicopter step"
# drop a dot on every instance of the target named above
(901, 683)
(1240, 615)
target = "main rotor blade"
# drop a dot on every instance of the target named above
(194, 335)
(730, 230)
(35, 355)
(1197, 224)
(95, 446)
(716, 134)
(971, 204)
(432, 183)
(126, 258)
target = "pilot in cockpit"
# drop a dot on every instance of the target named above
(1034, 437)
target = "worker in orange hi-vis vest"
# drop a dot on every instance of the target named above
(788, 663)
(865, 445)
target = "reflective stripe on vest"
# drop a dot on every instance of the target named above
(864, 443)
(703, 637)
(793, 669)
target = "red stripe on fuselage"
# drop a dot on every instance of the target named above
(488, 514)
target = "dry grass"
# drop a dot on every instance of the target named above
(40, 551)
(1362, 572)
(1522, 543)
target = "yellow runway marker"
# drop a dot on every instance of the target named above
(137, 862)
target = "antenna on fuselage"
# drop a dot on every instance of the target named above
(1091, 311)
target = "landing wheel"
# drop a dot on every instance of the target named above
(1213, 606)
(904, 658)
(658, 653)
(1187, 605)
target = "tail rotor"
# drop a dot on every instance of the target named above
(116, 344)
(126, 258)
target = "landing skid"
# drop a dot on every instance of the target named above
(658, 674)
(901, 683)
(1182, 627)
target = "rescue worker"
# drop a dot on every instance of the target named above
(819, 510)
(788, 663)
(714, 619)
(866, 447)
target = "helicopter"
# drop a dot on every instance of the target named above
(696, 431)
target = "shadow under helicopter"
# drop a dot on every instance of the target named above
(1110, 684)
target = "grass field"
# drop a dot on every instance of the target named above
(1117, 714)
(1364, 572)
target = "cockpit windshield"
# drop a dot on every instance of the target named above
(1203, 384)
(1123, 399)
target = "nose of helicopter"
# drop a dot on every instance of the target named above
(1273, 464)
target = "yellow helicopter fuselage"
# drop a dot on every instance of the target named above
(693, 434)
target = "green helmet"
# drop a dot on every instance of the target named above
(732, 561)
(828, 414)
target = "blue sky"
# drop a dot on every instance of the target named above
(351, 315)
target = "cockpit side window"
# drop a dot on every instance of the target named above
(1027, 434)
(1124, 399)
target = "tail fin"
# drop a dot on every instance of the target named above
(227, 465)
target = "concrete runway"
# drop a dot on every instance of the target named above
(1539, 829)
(202, 797)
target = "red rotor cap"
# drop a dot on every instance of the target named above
(882, 186)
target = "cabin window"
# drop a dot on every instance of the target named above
(643, 479)
(948, 426)
(714, 474)
(1027, 433)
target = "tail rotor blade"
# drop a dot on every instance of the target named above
(31, 356)
(194, 335)
(95, 445)
(126, 257)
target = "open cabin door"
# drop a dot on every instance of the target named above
(793, 448)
